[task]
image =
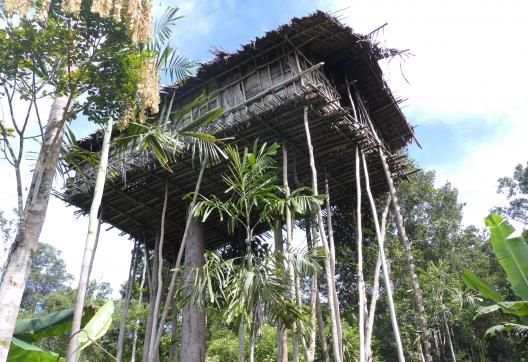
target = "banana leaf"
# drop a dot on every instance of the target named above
(33, 329)
(511, 252)
(20, 351)
(479, 285)
(97, 326)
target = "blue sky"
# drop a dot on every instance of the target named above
(466, 93)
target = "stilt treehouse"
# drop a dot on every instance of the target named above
(314, 63)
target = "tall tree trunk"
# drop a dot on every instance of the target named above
(359, 246)
(97, 234)
(26, 240)
(322, 236)
(409, 260)
(375, 287)
(153, 351)
(126, 303)
(193, 318)
(73, 346)
(282, 336)
(140, 300)
(386, 276)
(174, 276)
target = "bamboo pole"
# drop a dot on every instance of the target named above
(89, 248)
(362, 303)
(375, 287)
(386, 276)
(322, 236)
(409, 259)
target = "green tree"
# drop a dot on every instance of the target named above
(85, 63)
(515, 189)
(48, 276)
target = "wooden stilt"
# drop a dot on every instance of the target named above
(359, 246)
(386, 276)
(375, 288)
(282, 337)
(289, 238)
(322, 236)
(331, 246)
(409, 260)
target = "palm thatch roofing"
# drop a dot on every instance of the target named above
(133, 202)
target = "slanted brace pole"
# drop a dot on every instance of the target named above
(386, 276)
(409, 259)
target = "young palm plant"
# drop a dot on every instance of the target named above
(253, 198)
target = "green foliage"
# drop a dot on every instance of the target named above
(54, 324)
(515, 189)
(512, 254)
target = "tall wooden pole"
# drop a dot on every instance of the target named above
(375, 288)
(282, 337)
(289, 238)
(409, 260)
(359, 246)
(331, 246)
(386, 276)
(322, 236)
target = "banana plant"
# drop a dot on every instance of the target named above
(512, 253)
(96, 322)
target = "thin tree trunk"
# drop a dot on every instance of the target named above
(242, 341)
(126, 303)
(289, 237)
(320, 323)
(174, 276)
(313, 297)
(26, 240)
(282, 337)
(331, 246)
(140, 300)
(73, 346)
(193, 317)
(252, 343)
(409, 260)
(322, 235)
(96, 243)
(449, 341)
(153, 287)
(375, 287)
(359, 246)
(153, 351)
(386, 276)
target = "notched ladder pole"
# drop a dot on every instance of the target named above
(409, 259)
